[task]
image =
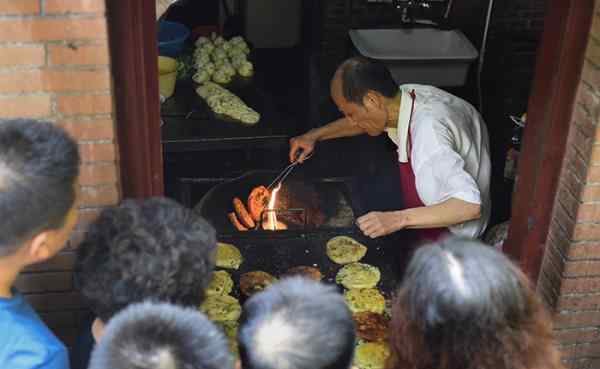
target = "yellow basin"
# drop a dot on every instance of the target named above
(167, 75)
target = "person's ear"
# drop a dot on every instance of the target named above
(97, 329)
(372, 101)
(38, 249)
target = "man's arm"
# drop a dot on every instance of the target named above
(336, 129)
(450, 212)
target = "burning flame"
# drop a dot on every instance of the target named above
(272, 214)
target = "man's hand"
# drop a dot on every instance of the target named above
(305, 144)
(376, 223)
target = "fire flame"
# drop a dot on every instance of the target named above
(271, 224)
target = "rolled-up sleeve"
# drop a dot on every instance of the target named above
(441, 176)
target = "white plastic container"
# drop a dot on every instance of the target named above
(419, 55)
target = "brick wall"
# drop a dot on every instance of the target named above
(54, 65)
(570, 277)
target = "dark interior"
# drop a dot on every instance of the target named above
(291, 91)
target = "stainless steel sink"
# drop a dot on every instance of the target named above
(419, 55)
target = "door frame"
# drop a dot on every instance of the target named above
(132, 27)
(134, 65)
(558, 68)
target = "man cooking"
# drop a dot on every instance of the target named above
(443, 150)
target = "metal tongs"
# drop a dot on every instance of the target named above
(286, 172)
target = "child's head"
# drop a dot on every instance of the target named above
(39, 166)
(145, 249)
(161, 336)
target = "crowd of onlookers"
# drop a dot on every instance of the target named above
(143, 266)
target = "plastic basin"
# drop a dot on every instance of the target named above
(171, 38)
(419, 55)
(167, 75)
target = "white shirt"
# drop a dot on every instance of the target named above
(450, 153)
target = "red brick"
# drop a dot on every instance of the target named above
(584, 250)
(54, 80)
(579, 302)
(52, 29)
(576, 335)
(580, 350)
(44, 282)
(84, 104)
(89, 130)
(563, 220)
(25, 106)
(586, 232)
(580, 285)
(78, 55)
(91, 175)
(22, 56)
(584, 319)
(19, 7)
(73, 80)
(99, 196)
(590, 193)
(588, 212)
(74, 6)
(584, 122)
(21, 81)
(94, 152)
(585, 268)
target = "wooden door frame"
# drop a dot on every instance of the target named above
(559, 63)
(134, 65)
(132, 28)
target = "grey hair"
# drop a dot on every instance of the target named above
(296, 324)
(161, 336)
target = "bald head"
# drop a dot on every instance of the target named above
(355, 77)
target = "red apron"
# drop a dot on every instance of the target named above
(408, 187)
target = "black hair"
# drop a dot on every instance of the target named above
(296, 324)
(153, 248)
(39, 165)
(359, 75)
(161, 336)
(462, 304)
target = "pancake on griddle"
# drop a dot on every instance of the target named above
(219, 308)
(371, 355)
(228, 256)
(365, 299)
(371, 326)
(358, 275)
(221, 284)
(256, 281)
(344, 250)
(306, 272)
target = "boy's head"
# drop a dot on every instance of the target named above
(39, 166)
(161, 336)
(145, 249)
(296, 324)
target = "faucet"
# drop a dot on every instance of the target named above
(408, 8)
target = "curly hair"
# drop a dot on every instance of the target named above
(154, 249)
(464, 305)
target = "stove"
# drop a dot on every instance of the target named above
(304, 244)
